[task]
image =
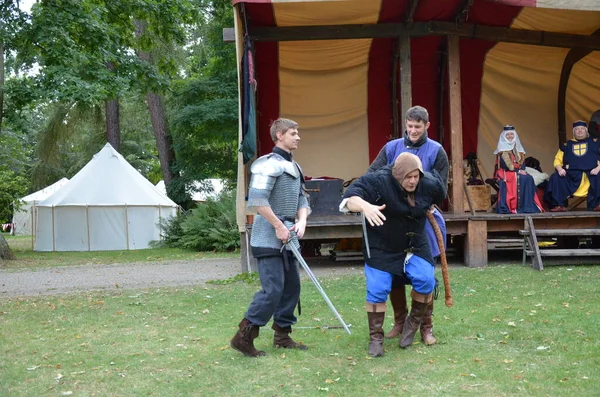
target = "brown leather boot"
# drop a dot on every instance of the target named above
(427, 327)
(282, 339)
(243, 341)
(376, 316)
(414, 319)
(398, 300)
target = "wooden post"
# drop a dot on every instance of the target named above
(405, 76)
(476, 244)
(456, 141)
(394, 98)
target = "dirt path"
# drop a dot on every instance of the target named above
(72, 279)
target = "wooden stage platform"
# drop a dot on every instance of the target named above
(471, 232)
(474, 229)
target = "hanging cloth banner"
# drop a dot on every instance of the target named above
(248, 146)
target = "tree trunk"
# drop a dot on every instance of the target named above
(164, 143)
(5, 252)
(1, 84)
(158, 116)
(113, 128)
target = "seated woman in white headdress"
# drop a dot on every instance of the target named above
(517, 190)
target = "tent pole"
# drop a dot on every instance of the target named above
(159, 222)
(87, 223)
(126, 227)
(53, 239)
(32, 225)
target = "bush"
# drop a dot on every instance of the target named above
(12, 188)
(209, 227)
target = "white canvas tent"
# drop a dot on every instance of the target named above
(23, 218)
(108, 205)
(199, 197)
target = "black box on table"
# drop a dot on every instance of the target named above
(325, 195)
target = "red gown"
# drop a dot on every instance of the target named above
(513, 198)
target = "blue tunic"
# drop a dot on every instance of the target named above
(579, 157)
(427, 152)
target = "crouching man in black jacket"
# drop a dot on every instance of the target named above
(394, 201)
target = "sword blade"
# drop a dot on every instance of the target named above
(364, 227)
(304, 265)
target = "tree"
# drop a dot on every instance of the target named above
(204, 109)
(85, 51)
(13, 188)
(5, 252)
(11, 18)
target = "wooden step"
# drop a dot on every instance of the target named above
(562, 232)
(566, 252)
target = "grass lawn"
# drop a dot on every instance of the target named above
(512, 331)
(27, 258)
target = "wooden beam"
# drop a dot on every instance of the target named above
(442, 68)
(394, 98)
(405, 77)
(456, 141)
(419, 29)
(475, 250)
(574, 56)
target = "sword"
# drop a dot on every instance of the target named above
(443, 260)
(302, 262)
(323, 327)
(364, 227)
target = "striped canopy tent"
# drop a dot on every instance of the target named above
(337, 68)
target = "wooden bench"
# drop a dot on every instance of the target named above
(531, 247)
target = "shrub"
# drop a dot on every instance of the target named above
(209, 227)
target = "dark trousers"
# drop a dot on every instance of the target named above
(560, 188)
(279, 295)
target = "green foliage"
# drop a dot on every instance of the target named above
(84, 47)
(210, 226)
(15, 152)
(12, 188)
(204, 105)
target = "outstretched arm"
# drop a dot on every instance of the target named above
(372, 212)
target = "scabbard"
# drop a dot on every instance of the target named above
(443, 259)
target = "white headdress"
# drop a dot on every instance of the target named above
(504, 145)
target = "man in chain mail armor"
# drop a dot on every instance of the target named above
(278, 196)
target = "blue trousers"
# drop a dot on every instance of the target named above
(279, 295)
(379, 283)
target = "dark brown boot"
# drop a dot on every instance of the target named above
(414, 319)
(243, 341)
(376, 316)
(427, 327)
(398, 300)
(282, 339)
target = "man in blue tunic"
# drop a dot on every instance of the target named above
(433, 156)
(577, 164)
(277, 194)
